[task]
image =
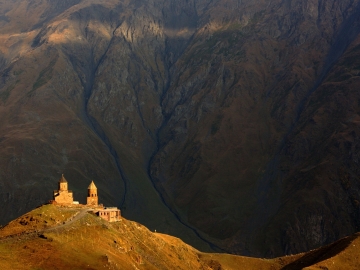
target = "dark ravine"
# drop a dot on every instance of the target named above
(91, 122)
(213, 246)
(94, 125)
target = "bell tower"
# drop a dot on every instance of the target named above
(63, 184)
(92, 198)
(63, 195)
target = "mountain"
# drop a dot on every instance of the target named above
(233, 125)
(52, 237)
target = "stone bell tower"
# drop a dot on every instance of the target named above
(63, 184)
(92, 198)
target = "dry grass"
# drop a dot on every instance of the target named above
(92, 243)
(41, 218)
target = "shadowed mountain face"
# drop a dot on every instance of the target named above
(231, 124)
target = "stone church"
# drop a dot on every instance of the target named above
(63, 195)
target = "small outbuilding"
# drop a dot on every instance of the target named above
(110, 214)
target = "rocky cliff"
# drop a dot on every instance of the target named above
(232, 124)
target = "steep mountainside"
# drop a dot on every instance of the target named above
(231, 124)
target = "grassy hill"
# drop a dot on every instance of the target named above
(53, 237)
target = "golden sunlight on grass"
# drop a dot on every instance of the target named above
(46, 238)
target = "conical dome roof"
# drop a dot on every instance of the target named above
(92, 185)
(62, 179)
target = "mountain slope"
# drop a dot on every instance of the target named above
(53, 237)
(238, 110)
(92, 243)
(230, 124)
(47, 122)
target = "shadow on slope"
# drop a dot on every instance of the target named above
(313, 257)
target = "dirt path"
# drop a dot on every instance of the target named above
(37, 233)
(70, 221)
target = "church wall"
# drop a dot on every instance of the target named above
(64, 197)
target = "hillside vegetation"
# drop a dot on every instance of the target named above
(49, 238)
